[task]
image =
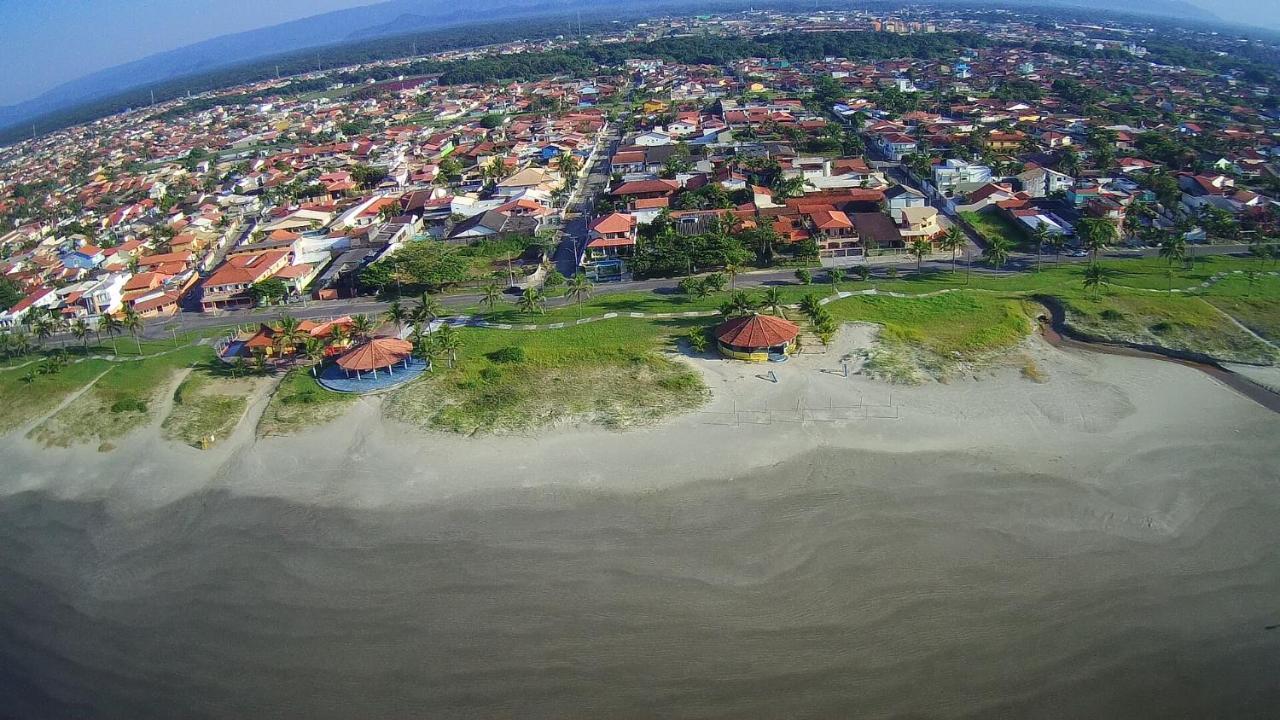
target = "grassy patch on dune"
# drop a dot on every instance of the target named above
(1175, 322)
(300, 402)
(611, 373)
(29, 393)
(933, 337)
(207, 406)
(121, 401)
(1254, 301)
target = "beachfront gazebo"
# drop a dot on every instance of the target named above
(756, 338)
(376, 354)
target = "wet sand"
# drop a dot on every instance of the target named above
(1103, 544)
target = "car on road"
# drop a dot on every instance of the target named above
(1077, 253)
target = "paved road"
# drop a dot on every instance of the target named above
(317, 309)
(1019, 262)
(579, 217)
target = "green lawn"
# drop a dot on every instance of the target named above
(612, 373)
(300, 402)
(990, 224)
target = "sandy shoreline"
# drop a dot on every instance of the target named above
(1089, 408)
(1100, 544)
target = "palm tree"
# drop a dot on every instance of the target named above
(428, 309)
(490, 295)
(112, 326)
(810, 305)
(732, 270)
(337, 336)
(1094, 276)
(397, 314)
(1041, 236)
(920, 247)
(313, 349)
(80, 329)
(772, 302)
(133, 323)
(568, 165)
(494, 169)
(448, 341)
(1259, 249)
(835, 275)
(19, 343)
(739, 303)
(1173, 248)
(579, 288)
(1096, 233)
(288, 335)
(42, 327)
(532, 301)
(953, 241)
(997, 253)
(362, 327)
(1057, 241)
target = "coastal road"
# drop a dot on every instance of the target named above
(1018, 262)
(324, 309)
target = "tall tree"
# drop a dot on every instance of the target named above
(1096, 234)
(997, 252)
(952, 241)
(1094, 277)
(112, 326)
(133, 323)
(920, 248)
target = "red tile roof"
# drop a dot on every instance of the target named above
(757, 331)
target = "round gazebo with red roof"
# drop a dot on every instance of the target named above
(756, 338)
(376, 354)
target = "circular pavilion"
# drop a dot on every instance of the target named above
(375, 364)
(756, 338)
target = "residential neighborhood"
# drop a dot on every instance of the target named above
(218, 204)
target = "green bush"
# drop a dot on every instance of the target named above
(509, 354)
(128, 405)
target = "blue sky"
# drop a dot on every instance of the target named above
(47, 42)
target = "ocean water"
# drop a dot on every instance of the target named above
(835, 585)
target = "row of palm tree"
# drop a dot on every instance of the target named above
(44, 323)
(741, 303)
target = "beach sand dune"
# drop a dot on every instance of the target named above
(1100, 544)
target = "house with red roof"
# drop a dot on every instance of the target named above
(612, 241)
(228, 286)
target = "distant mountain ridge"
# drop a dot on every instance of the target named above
(229, 50)
(399, 17)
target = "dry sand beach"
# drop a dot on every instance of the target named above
(1103, 543)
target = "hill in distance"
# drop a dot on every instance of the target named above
(401, 17)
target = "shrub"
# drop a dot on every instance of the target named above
(306, 397)
(804, 276)
(507, 355)
(698, 340)
(691, 285)
(128, 405)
